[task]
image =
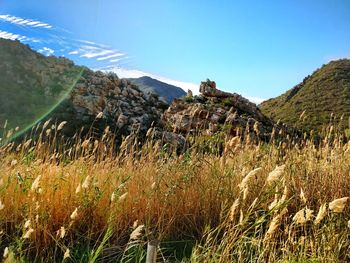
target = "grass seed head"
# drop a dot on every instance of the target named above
(100, 115)
(78, 189)
(66, 254)
(135, 235)
(233, 209)
(122, 197)
(113, 197)
(28, 233)
(302, 196)
(61, 232)
(36, 183)
(27, 224)
(74, 215)
(275, 222)
(86, 182)
(275, 174)
(302, 216)
(338, 205)
(246, 179)
(61, 125)
(6, 253)
(322, 212)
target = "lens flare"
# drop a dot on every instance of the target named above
(31, 87)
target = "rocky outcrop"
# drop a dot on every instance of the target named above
(122, 105)
(35, 88)
(215, 110)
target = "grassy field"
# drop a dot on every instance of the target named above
(85, 201)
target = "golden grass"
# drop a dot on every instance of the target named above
(253, 203)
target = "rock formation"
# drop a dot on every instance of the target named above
(215, 110)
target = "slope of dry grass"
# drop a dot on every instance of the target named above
(84, 201)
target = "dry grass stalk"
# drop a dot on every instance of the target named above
(302, 196)
(233, 209)
(322, 212)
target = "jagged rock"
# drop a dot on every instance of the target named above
(214, 109)
(208, 89)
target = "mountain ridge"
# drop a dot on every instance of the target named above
(165, 91)
(324, 93)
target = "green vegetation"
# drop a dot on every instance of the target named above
(31, 85)
(310, 104)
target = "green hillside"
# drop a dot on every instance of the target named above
(31, 84)
(325, 92)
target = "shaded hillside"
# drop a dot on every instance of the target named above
(325, 92)
(31, 84)
(35, 88)
(166, 91)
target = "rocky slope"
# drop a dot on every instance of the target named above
(309, 105)
(34, 87)
(165, 91)
(215, 110)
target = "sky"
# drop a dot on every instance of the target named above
(259, 49)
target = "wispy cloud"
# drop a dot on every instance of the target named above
(12, 36)
(24, 22)
(111, 56)
(46, 51)
(115, 60)
(100, 55)
(96, 51)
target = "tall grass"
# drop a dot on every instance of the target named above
(85, 200)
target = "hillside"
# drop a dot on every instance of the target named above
(31, 84)
(36, 88)
(325, 92)
(166, 91)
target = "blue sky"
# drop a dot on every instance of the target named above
(257, 48)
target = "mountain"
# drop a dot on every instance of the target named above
(36, 88)
(309, 105)
(165, 91)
